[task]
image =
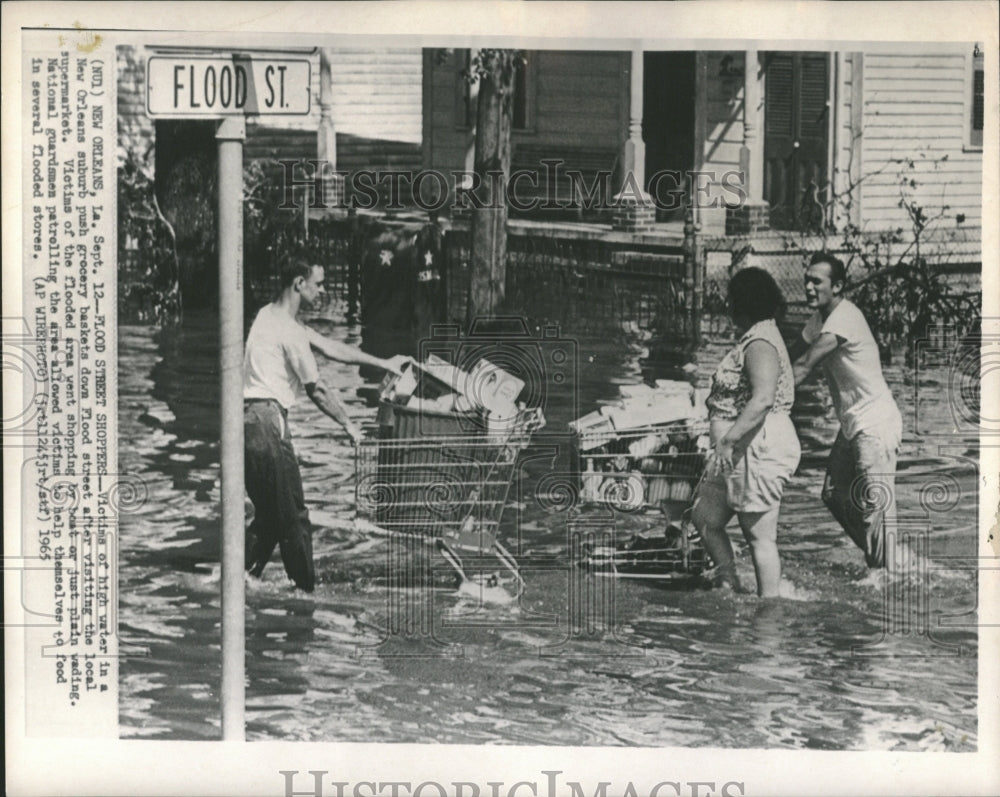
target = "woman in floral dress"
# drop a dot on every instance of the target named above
(756, 449)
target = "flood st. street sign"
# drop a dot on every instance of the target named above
(185, 86)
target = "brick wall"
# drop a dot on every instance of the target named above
(135, 129)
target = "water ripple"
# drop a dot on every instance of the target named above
(663, 667)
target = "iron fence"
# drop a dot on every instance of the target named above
(586, 285)
(954, 254)
(334, 244)
(586, 282)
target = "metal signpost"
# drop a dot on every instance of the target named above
(229, 86)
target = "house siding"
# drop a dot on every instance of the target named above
(449, 145)
(377, 108)
(723, 111)
(915, 109)
(578, 100)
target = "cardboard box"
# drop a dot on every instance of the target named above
(406, 385)
(632, 415)
(449, 376)
(486, 386)
(593, 430)
(494, 389)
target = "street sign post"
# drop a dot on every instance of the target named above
(230, 136)
(187, 86)
(229, 87)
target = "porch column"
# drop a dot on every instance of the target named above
(754, 214)
(326, 135)
(633, 208)
(753, 164)
(635, 148)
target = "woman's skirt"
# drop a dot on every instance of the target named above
(762, 467)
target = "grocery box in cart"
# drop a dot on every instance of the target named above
(645, 450)
(444, 399)
(444, 455)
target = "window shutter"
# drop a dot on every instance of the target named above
(778, 94)
(795, 138)
(813, 89)
(976, 133)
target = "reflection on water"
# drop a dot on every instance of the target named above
(618, 663)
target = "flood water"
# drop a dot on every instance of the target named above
(846, 662)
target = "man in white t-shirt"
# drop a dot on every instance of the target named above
(278, 368)
(859, 489)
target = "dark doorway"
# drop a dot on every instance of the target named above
(668, 99)
(796, 121)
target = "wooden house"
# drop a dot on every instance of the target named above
(759, 137)
(784, 128)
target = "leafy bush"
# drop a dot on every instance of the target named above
(149, 270)
(899, 278)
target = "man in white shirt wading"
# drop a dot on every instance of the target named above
(278, 366)
(859, 487)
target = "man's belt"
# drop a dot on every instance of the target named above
(248, 401)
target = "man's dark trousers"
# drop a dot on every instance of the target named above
(274, 484)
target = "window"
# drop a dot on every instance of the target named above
(976, 100)
(470, 94)
(796, 138)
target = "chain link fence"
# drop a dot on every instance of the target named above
(952, 258)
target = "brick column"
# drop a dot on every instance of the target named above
(748, 218)
(633, 212)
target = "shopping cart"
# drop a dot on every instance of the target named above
(442, 478)
(642, 468)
